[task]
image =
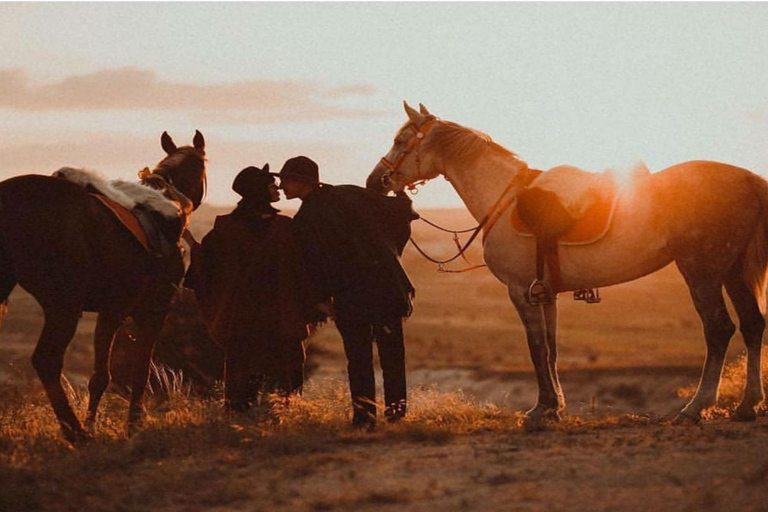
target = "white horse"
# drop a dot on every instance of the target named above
(710, 218)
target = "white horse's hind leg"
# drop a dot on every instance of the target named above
(718, 329)
(540, 324)
(752, 326)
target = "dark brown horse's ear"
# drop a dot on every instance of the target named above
(199, 141)
(167, 143)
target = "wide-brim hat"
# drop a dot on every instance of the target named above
(253, 181)
(300, 168)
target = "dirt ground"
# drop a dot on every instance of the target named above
(624, 365)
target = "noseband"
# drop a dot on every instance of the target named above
(413, 144)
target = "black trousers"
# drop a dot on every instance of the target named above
(359, 334)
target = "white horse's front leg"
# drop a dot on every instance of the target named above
(540, 324)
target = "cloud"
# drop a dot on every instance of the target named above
(120, 155)
(255, 101)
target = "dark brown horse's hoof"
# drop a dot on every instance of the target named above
(134, 427)
(77, 436)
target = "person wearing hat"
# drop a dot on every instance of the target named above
(353, 257)
(252, 288)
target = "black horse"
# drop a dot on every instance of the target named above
(72, 254)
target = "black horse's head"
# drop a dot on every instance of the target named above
(184, 167)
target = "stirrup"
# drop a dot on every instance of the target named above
(588, 295)
(538, 294)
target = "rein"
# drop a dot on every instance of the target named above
(487, 222)
(485, 225)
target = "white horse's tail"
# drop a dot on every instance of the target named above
(756, 256)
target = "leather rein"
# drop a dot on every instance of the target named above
(486, 223)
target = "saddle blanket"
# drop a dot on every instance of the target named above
(126, 218)
(136, 206)
(125, 193)
(573, 205)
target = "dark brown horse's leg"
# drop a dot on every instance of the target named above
(718, 329)
(148, 329)
(48, 360)
(751, 325)
(7, 282)
(542, 345)
(106, 326)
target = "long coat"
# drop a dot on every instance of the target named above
(352, 239)
(252, 287)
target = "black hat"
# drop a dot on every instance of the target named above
(253, 181)
(300, 168)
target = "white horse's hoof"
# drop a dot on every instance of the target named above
(686, 418)
(537, 418)
(744, 414)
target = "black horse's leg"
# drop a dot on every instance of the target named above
(148, 328)
(542, 345)
(48, 360)
(7, 282)
(751, 325)
(106, 325)
(718, 328)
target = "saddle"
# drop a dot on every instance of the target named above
(153, 220)
(567, 206)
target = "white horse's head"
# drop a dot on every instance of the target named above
(407, 163)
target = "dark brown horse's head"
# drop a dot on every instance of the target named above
(184, 167)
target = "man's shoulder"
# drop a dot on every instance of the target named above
(350, 190)
(224, 221)
(282, 219)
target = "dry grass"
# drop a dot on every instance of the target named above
(731, 391)
(302, 455)
(37, 466)
(620, 361)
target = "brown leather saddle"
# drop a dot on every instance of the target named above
(541, 214)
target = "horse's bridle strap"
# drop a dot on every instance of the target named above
(163, 183)
(413, 143)
(487, 222)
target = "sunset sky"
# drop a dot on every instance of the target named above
(595, 85)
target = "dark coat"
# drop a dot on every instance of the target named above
(252, 288)
(352, 239)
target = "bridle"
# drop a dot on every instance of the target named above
(502, 204)
(165, 184)
(413, 144)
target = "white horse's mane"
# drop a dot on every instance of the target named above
(461, 144)
(125, 193)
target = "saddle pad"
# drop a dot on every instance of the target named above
(126, 218)
(588, 229)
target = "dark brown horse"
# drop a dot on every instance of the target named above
(66, 249)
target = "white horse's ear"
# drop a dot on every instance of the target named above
(424, 110)
(414, 116)
(166, 142)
